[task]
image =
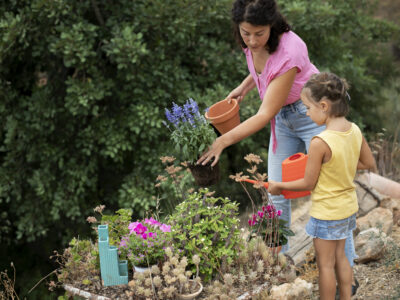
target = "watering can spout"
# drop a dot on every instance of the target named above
(255, 181)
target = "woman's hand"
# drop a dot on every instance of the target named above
(241, 91)
(213, 152)
(274, 187)
(237, 94)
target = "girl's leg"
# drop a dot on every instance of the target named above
(343, 271)
(325, 251)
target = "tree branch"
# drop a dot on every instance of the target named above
(97, 12)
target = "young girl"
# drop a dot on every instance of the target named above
(334, 157)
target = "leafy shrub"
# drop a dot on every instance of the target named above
(80, 261)
(207, 226)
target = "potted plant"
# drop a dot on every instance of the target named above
(145, 243)
(191, 135)
(265, 222)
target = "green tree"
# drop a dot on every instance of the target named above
(84, 84)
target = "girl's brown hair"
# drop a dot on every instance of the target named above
(331, 87)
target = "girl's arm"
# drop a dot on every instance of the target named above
(274, 98)
(367, 160)
(240, 92)
(319, 152)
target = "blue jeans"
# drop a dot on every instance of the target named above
(331, 229)
(294, 130)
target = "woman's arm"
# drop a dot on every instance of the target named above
(318, 152)
(367, 160)
(274, 98)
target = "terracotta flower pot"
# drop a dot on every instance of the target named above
(141, 269)
(275, 250)
(205, 175)
(223, 115)
(199, 289)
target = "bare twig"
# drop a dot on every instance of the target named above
(54, 271)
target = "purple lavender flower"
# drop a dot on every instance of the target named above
(171, 117)
(177, 111)
(194, 106)
(187, 110)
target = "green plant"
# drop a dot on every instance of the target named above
(167, 281)
(265, 222)
(117, 223)
(145, 243)
(80, 261)
(191, 133)
(255, 265)
(174, 184)
(207, 226)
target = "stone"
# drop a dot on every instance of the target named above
(379, 217)
(299, 289)
(367, 201)
(370, 245)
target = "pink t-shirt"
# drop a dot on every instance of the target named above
(291, 52)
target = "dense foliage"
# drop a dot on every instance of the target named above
(84, 84)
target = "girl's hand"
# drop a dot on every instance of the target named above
(214, 151)
(274, 188)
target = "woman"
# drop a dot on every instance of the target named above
(279, 66)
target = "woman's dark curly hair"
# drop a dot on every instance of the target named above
(259, 12)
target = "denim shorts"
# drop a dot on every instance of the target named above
(331, 230)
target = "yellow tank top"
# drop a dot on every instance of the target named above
(334, 196)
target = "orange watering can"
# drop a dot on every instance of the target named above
(293, 168)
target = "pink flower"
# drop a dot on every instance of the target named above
(252, 222)
(165, 228)
(152, 221)
(144, 236)
(152, 235)
(140, 229)
(270, 208)
(279, 212)
(260, 214)
(132, 227)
